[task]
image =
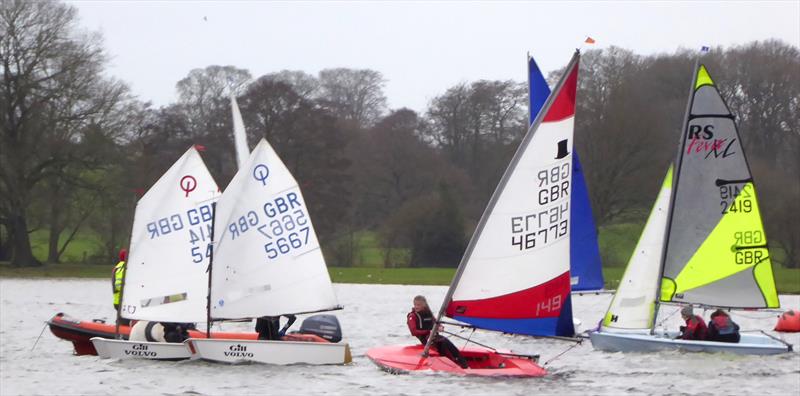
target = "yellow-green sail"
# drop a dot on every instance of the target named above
(717, 249)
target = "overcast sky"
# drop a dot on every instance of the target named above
(422, 48)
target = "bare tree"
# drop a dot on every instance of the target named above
(353, 94)
(303, 84)
(52, 91)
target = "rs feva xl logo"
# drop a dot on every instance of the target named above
(701, 140)
(140, 350)
(237, 350)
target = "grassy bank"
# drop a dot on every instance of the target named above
(788, 280)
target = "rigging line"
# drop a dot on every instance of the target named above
(667, 317)
(468, 340)
(40, 336)
(535, 357)
(565, 351)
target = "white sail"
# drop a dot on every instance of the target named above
(267, 260)
(239, 134)
(633, 305)
(166, 278)
(514, 276)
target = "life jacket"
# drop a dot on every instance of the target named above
(423, 324)
(119, 273)
(425, 320)
(695, 329)
(724, 325)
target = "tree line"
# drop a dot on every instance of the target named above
(77, 149)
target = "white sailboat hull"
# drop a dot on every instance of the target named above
(123, 349)
(750, 344)
(270, 352)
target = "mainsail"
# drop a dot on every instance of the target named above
(585, 264)
(267, 260)
(717, 248)
(166, 277)
(514, 276)
(239, 134)
(633, 305)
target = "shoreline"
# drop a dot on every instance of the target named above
(788, 283)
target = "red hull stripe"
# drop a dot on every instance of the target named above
(542, 301)
(564, 105)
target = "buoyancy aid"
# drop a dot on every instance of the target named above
(724, 325)
(119, 273)
(420, 324)
(695, 329)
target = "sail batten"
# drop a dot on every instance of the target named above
(514, 276)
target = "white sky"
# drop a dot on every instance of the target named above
(422, 48)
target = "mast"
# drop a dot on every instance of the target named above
(528, 68)
(676, 177)
(496, 195)
(210, 262)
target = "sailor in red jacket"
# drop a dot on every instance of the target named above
(695, 328)
(420, 322)
(722, 328)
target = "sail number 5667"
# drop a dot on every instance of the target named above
(285, 244)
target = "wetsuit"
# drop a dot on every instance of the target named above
(420, 324)
(721, 328)
(269, 327)
(695, 329)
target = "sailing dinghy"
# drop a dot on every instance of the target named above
(704, 242)
(165, 277)
(585, 268)
(267, 262)
(514, 276)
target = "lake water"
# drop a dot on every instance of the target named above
(374, 315)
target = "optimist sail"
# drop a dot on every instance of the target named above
(585, 265)
(239, 134)
(717, 248)
(514, 276)
(166, 277)
(267, 260)
(633, 305)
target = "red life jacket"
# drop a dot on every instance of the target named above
(724, 325)
(695, 329)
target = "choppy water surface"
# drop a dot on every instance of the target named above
(374, 315)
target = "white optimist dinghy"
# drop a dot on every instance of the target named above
(267, 262)
(704, 242)
(165, 278)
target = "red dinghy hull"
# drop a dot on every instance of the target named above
(483, 362)
(80, 332)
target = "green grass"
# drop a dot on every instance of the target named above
(398, 276)
(617, 242)
(370, 253)
(56, 271)
(83, 245)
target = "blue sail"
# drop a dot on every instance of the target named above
(585, 265)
